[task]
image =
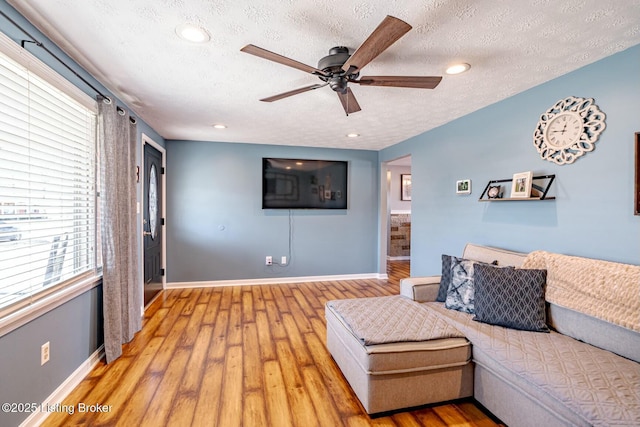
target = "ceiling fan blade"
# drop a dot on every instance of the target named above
(426, 82)
(349, 102)
(293, 92)
(386, 34)
(271, 56)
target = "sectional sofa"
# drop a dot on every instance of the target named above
(549, 339)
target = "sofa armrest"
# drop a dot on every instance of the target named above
(421, 289)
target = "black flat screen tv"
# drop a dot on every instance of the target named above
(304, 184)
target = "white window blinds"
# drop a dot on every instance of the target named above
(47, 184)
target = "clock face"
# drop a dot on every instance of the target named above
(564, 130)
(568, 130)
(494, 192)
(153, 201)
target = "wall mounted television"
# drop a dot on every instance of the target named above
(304, 184)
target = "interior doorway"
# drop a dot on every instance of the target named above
(398, 216)
(153, 208)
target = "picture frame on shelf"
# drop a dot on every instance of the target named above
(463, 186)
(637, 177)
(405, 187)
(521, 185)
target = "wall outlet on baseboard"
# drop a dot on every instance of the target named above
(44, 353)
(268, 260)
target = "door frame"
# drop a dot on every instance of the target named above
(143, 141)
(384, 210)
(385, 214)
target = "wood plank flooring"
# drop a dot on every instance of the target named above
(242, 356)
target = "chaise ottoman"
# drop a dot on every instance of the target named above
(395, 354)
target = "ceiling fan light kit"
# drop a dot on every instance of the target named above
(340, 68)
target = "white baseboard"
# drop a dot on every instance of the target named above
(59, 394)
(399, 258)
(273, 281)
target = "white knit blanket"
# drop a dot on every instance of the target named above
(606, 290)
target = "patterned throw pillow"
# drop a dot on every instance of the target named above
(511, 297)
(445, 279)
(460, 294)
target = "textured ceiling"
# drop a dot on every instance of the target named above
(181, 89)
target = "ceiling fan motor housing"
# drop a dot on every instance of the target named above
(333, 62)
(332, 66)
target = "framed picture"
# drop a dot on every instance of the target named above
(521, 185)
(637, 181)
(463, 186)
(405, 190)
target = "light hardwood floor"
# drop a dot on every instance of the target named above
(242, 356)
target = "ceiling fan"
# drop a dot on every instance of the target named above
(339, 68)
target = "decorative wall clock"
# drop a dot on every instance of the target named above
(568, 130)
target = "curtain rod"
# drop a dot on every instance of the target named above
(37, 43)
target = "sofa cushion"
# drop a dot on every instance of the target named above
(599, 333)
(510, 297)
(391, 319)
(495, 256)
(577, 382)
(398, 357)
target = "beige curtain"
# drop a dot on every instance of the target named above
(122, 296)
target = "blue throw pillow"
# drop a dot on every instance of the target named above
(510, 297)
(445, 279)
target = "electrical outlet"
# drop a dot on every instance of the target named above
(283, 260)
(268, 260)
(44, 353)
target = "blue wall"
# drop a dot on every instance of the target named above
(593, 213)
(73, 329)
(217, 229)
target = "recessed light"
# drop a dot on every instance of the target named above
(458, 68)
(220, 126)
(192, 33)
(353, 135)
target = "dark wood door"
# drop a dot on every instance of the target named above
(152, 222)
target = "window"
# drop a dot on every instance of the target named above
(47, 181)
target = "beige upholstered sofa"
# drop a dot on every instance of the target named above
(408, 350)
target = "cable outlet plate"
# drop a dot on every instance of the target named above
(283, 260)
(44, 353)
(268, 260)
